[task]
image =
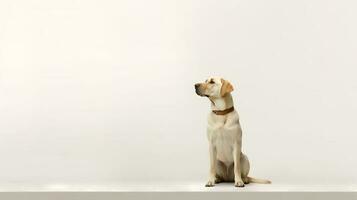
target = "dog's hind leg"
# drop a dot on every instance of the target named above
(221, 172)
(244, 163)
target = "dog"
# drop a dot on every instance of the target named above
(227, 162)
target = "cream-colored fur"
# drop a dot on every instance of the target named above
(227, 162)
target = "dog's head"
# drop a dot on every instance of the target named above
(214, 87)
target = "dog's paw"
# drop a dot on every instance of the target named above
(218, 180)
(245, 180)
(210, 183)
(239, 183)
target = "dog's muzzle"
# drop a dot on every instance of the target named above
(197, 89)
(197, 85)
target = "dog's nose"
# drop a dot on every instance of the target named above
(197, 85)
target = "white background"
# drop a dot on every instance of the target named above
(102, 91)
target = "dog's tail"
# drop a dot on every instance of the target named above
(258, 180)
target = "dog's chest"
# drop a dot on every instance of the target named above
(223, 134)
(223, 129)
(220, 133)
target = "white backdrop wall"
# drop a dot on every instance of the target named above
(102, 91)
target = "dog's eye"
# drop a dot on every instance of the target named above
(211, 81)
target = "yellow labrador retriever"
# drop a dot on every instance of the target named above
(227, 162)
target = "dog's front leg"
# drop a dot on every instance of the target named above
(213, 164)
(238, 182)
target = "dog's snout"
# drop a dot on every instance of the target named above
(197, 85)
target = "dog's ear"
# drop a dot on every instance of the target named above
(226, 87)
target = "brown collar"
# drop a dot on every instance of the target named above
(223, 112)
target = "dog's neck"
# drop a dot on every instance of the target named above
(222, 103)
